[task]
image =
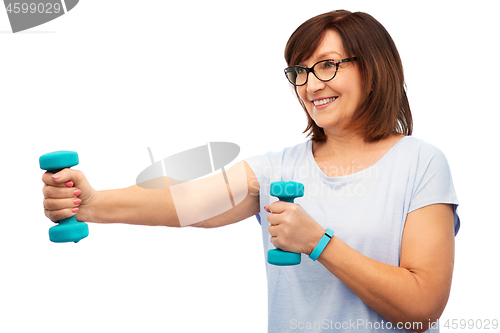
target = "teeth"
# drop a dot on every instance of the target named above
(324, 101)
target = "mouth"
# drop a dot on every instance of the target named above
(324, 101)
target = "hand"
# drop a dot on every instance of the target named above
(292, 229)
(67, 193)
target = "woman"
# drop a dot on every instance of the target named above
(388, 198)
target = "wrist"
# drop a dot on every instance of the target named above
(87, 208)
(325, 239)
(318, 234)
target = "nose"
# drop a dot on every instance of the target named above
(313, 84)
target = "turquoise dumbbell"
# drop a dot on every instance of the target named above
(68, 230)
(285, 191)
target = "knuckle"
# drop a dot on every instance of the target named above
(48, 204)
(45, 190)
(45, 177)
(281, 243)
(77, 174)
(57, 215)
(51, 215)
(49, 191)
(272, 230)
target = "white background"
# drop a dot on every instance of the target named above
(111, 78)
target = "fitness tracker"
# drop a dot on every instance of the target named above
(322, 244)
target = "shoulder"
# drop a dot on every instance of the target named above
(263, 164)
(419, 150)
(416, 144)
(419, 160)
(291, 151)
(427, 166)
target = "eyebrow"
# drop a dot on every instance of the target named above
(324, 55)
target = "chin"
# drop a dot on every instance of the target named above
(325, 122)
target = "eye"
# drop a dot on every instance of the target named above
(300, 70)
(330, 64)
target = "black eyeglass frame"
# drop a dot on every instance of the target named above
(311, 70)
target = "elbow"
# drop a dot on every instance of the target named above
(429, 300)
(423, 317)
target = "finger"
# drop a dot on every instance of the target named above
(54, 179)
(273, 230)
(62, 177)
(58, 215)
(59, 192)
(273, 219)
(278, 207)
(58, 204)
(275, 241)
(49, 180)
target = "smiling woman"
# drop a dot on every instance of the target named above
(376, 225)
(379, 207)
(384, 107)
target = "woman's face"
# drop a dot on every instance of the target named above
(331, 104)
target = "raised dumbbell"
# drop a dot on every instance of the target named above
(285, 191)
(69, 229)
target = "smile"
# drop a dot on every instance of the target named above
(320, 102)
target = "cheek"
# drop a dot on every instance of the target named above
(355, 89)
(302, 93)
(349, 91)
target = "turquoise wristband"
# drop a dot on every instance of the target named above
(322, 244)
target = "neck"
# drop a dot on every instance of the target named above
(341, 146)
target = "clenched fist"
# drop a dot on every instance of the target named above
(67, 193)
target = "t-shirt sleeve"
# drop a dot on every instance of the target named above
(267, 168)
(433, 183)
(256, 163)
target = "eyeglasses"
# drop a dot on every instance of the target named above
(324, 70)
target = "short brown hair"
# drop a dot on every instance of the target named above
(385, 108)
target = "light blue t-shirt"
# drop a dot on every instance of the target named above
(366, 209)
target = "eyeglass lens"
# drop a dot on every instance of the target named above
(324, 71)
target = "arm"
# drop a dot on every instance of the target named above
(416, 291)
(136, 205)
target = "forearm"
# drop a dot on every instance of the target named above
(396, 293)
(132, 205)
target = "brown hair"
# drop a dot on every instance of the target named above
(385, 108)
